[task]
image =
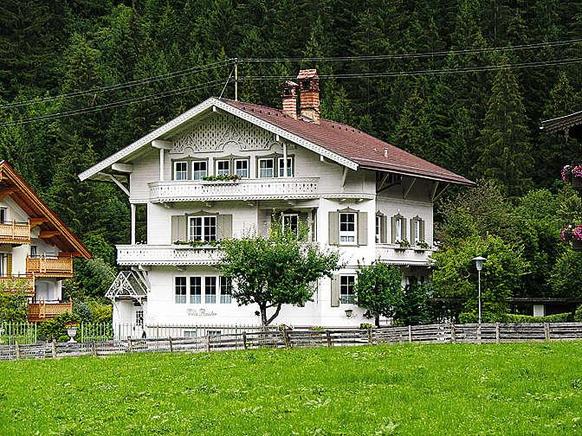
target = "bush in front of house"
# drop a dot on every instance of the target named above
(558, 317)
(56, 328)
(578, 314)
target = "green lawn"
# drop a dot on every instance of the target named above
(380, 390)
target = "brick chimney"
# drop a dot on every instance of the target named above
(309, 95)
(290, 99)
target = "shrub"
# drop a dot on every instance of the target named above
(558, 317)
(366, 326)
(55, 328)
(100, 312)
(578, 314)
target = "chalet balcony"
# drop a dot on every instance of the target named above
(15, 284)
(14, 233)
(44, 310)
(245, 189)
(394, 254)
(167, 255)
(57, 267)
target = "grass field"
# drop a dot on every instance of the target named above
(380, 390)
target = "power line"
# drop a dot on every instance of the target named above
(119, 86)
(112, 105)
(416, 55)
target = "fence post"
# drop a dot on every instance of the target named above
(244, 334)
(94, 349)
(479, 334)
(35, 334)
(369, 335)
(497, 333)
(207, 342)
(17, 349)
(328, 338)
(409, 333)
(285, 336)
(171, 345)
(546, 331)
(453, 333)
(129, 344)
(54, 348)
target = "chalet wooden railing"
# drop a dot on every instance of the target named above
(50, 266)
(48, 309)
(14, 233)
(14, 284)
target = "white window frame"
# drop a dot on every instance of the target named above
(180, 298)
(220, 172)
(210, 298)
(190, 333)
(199, 175)
(285, 216)
(399, 229)
(246, 170)
(416, 230)
(195, 298)
(204, 219)
(259, 169)
(290, 166)
(378, 229)
(347, 298)
(176, 171)
(345, 235)
(225, 283)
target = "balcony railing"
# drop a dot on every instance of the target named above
(48, 309)
(245, 189)
(50, 266)
(403, 256)
(167, 255)
(16, 284)
(14, 233)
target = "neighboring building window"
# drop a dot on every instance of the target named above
(199, 170)
(3, 262)
(181, 290)
(210, 290)
(347, 227)
(202, 228)
(213, 332)
(195, 290)
(3, 215)
(180, 170)
(222, 167)
(225, 290)
(347, 293)
(33, 251)
(289, 167)
(290, 222)
(190, 333)
(139, 318)
(241, 168)
(266, 168)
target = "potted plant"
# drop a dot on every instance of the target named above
(402, 244)
(422, 245)
(227, 178)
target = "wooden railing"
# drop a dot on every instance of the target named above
(14, 284)
(50, 266)
(14, 233)
(48, 309)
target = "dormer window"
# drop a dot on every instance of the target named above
(199, 170)
(181, 170)
(266, 167)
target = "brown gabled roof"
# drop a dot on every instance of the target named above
(353, 144)
(562, 123)
(29, 201)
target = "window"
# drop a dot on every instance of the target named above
(225, 290)
(266, 168)
(181, 290)
(198, 170)
(416, 230)
(378, 228)
(210, 290)
(3, 264)
(195, 290)
(289, 167)
(290, 222)
(139, 318)
(347, 225)
(399, 233)
(180, 170)
(213, 332)
(241, 168)
(347, 294)
(3, 215)
(222, 167)
(33, 251)
(190, 333)
(202, 228)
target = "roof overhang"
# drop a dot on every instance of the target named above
(211, 104)
(562, 123)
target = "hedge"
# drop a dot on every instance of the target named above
(558, 317)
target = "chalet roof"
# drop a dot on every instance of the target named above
(338, 142)
(562, 123)
(13, 185)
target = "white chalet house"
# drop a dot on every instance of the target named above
(356, 193)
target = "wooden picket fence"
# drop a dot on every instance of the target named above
(304, 337)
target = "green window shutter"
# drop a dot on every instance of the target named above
(393, 229)
(362, 228)
(179, 228)
(383, 229)
(333, 228)
(224, 223)
(335, 291)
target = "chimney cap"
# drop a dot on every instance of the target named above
(307, 74)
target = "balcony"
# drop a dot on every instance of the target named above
(246, 189)
(394, 254)
(166, 255)
(14, 233)
(48, 309)
(58, 267)
(14, 284)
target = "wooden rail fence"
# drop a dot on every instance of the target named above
(288, 338)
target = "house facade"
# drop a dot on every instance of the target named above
(225, 169)
(36, 248)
